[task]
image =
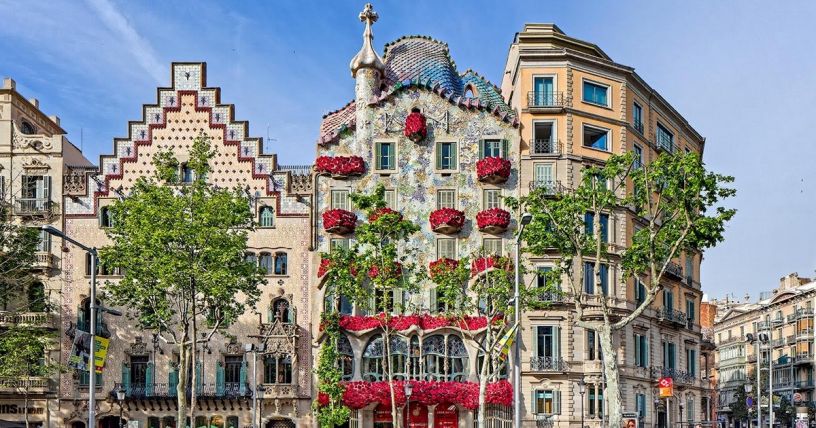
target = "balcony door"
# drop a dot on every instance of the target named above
(35, 192)
(543, 90)
(547, 343)
(543, 175)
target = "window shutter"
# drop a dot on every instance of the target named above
(557, 342)
(243, 378)
(556, 402)
(646, 352)
(481, 149)
(535, 402)
(199, 382)
(438, 155)
(219, 379)
(504, 149)
(47, 188)
(453, 162)
(398, 301)
(535, 341)
(149, 379)
(172, 379)
(377, 156)
(432, 300)
(125, 377)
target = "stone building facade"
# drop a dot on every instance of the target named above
(577, 107)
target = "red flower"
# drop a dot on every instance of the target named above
(323, 399)
(484, 263)
(495, 217)
(339, 220)
(325, 264)
(340, 165)
(391, 271)
(415, 127)
(404, 322)
(381, 212)
(450, 217)
(466, 394)
(493, 169)
(443, 265)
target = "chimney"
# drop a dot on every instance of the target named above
(9, 83)
(55, 119)
(35, 102)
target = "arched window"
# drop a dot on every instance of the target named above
(346, 357)
(105, 219)
(251, 258)
(414, 357)
(169, 422)
(265, 261)
(280, 263)
(457, 359)
(201, 422)
(373, 360)
(433, 350)
(399, 358)
(266, 216)
(281, 311)
(36, 297)
(27, 128)
(278, 369)
(78, 425)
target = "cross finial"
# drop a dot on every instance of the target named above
(367, 57)
(368, 15)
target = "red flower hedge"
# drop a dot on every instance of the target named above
(381, 212)
(450, 217)
(404, 322)
(323, 399)
(339, 220)
(493, 169)
(392, 272)
(441, 266)
(340, 165)
(416, 128)
(495, 217)
(325, 264)
(484, 263)
(466, 394)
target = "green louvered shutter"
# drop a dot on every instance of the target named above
(481, 149)
(398, 300)
(149, 379)
(172, 380)
(557, 342)
(125, 377)
(432, 300)
(243, 378)
(219, 379)
(199, 381)
(504, 149)
(377, 158)
(556, 402)
(453, 162)
(438, 155)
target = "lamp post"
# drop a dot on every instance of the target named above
(680, 416)
(254, 349)
(261, 392)
(525, 219)
(582, 391)
(748, 388)
(92, 328)
(409, 389)
(756, 339)
(120, 397)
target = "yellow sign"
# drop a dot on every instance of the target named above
(100, 352)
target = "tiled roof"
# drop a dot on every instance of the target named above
(422, 62)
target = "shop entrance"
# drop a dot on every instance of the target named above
(446, 416)
(416, 415)
(382, 417)
(112, 422)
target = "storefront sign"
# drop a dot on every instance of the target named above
(666, 385)
(446, 416)
(417, 416)
(16, 409)
(382, 413)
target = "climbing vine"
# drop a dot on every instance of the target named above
(328, 408)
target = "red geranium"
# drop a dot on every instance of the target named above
(381, 212)
(338, 220)
(323, 399)
(443, 265)
(451, 218)
(325, 264)
(340, 165)
(391, 271)
(466, 394)
(484, 263)
(359, 323)
(496, 218)
(416, 128)
(493, 169)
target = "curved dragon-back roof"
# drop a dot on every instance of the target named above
(423, 62)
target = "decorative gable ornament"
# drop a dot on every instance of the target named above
(416, 128)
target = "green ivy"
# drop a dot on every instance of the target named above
(329, 376)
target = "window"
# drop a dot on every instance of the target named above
(492, 246)
(547, 343)
(492, 148)
(689, 269)
(690, 409)
(84, 379)
(391, 199)
(36, 297)
(638, 156)
(492, 199)
(691, 361)
(265, 262)
(232, 422)
(346, 357)
(543, 176)
(445, 199)
(637, 117)
(546, 402)
(340, 200)
(105, 219)
(691, 313)
(596, 138)
(589, 278)
(280, 311)
(278, 369)
(664, 137)
(280, 263)
(35, 193)
(266, 216)
(385, 156)
(44, 244)
(446, 156)
(138, 371)
(446, 248)
(232, 370)
(641, 350)
(372, 369)
(640, 291)
(589, 225)
(669, 355)
(187, 174)
(343, 243)
(595, 93)
(595, 398)
(668, 299)
(543, 92)
(153, 422)
(251, 258)
(541, 276)
(640, 404)
(593, 344)
(27, 128)
(544, 141)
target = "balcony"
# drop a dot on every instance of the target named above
(34, 207)
(545, 100)
(274, 390)
(803, 358)
(778, 342)
(675, 270)
(43, 260)
(803, 384)
(782, 384)
(34, 385)
(672, 316)
(800, 314)
(168, 390)
(554, 297)
(549, 188)
(679, 376)
(763, 325)
(791, 339)
(548, 364)
(545, 147)
(28, 319)
(732, 339)
(804, 334)
(665, 143)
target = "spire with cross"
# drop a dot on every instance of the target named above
(367, 57)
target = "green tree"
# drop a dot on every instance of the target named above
(17, 246)
(674, 202)
(181, 247)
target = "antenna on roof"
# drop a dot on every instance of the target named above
(266, 147)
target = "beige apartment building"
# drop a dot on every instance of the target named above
(36, 163)
(576, 107)
(786, 316)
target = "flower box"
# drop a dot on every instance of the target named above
(493, 170)
(416, 128)
(339, 221)
(442, 266)
(383, 211)
(447, 220)
(490, 262)
(494, 220)
(340, 166)
(425, 322)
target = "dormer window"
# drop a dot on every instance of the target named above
(27, 128)
(266, 216)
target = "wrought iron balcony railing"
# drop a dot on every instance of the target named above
(550, 188)
(674, 270)
(554, 297)
(537, 99)
(672, 315)
(545, 147)
(548, 364)
(665, 143)
(164, 390)
(638, 126)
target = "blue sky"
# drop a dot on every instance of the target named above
(743, 73)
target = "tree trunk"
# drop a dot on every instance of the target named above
(25, 403)
(612, 394)
(181, 386)
(194, 381)
(488, 357)
(389, 373)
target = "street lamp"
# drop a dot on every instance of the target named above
(254, 349)
(756, 340)
(748, 388)
(525, 219)
(680, 417)
(409, 389)
(92, 306)
(120, 397)
(582, 391)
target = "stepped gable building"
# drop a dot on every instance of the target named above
(147, 368)
(377, 139)
(577, 107)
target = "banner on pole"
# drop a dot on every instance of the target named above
(666, 386)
